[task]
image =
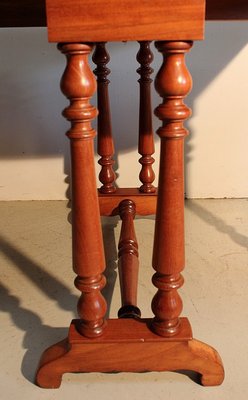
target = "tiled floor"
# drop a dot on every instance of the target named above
(38, 299)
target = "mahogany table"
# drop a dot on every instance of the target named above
(129, 342)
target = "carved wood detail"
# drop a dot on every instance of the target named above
(127, 344)
(128, 261)
(105, 144)
(146, 140)
(173, 83)
(78, 85)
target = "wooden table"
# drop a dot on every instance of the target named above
(128, 343)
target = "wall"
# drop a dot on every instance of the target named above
(34, 159)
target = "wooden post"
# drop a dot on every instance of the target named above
(173, 83)
(78, 85)
(146, 140)
(105, 144)
(128, 261)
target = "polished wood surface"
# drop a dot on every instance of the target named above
(129, 345)
(124, 20)
(128, 261)
(31, 13)
(78, 85)
(146, 140)
(105, 144)
(173, 83)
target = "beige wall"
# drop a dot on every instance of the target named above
(34, 161)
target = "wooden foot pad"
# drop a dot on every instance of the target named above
(129, 346)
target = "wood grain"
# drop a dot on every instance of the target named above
(30, 13)
(101, 20)
(78, 85)
(164, 342)
(173, 82)
(128, 263)
(129, 345)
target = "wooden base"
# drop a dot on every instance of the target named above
(129, 346)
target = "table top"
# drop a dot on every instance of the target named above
(31, 13)
(124, 20)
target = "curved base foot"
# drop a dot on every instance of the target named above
(50, 370)
(205, 360)
(129, 346)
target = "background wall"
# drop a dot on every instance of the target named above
(34, 150)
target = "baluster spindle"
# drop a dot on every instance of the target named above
(78, 85)
(146, 140)
(173, 83)
(105, 144)
(128, 261)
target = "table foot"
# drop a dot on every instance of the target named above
(129, 346)
(50, 370)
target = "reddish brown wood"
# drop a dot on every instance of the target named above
(129, 345)
(173, 83)
(146, 141)
(78, 85)
(28, 13)
(105, 144)
(124, 20)
(145, 203)
(128, 261)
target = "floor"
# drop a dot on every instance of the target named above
(38, 299)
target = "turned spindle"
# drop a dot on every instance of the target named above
(146, 140)
(78, 85)
(128, 261)
(173, 83)
(105, 144)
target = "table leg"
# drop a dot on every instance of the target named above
(173, 83)
(78, 85)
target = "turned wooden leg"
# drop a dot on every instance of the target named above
(105, 144)
(146, 140)
(173, 83)
(128, 261)
(78, 85)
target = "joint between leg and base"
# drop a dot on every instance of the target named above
(129, 346)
